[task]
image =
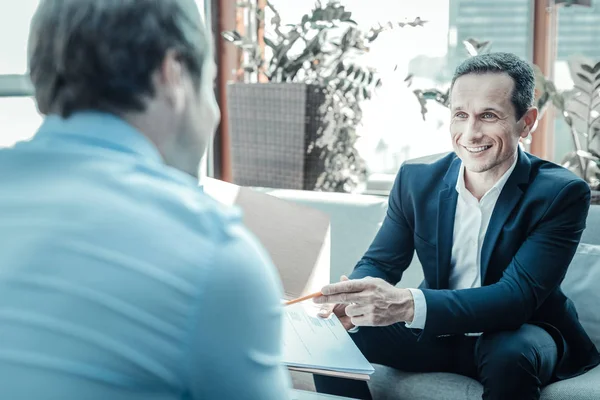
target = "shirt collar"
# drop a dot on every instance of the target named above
(102, 129)
(498, 186)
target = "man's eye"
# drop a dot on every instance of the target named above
(488, 115)
(461, 115)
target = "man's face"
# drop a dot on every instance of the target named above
(484, 128)
(200, 118)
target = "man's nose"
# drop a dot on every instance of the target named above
(472, 132)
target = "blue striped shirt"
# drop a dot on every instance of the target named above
(120, 279)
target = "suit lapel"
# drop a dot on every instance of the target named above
(509, 197)
(445, 224)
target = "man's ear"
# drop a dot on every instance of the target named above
(172, 80)
(529, 122)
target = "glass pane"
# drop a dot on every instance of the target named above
(393, 128)
(19, 120)
(15, 17)
(200, 4)
(578, 33)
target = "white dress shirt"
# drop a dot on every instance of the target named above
(471, 221)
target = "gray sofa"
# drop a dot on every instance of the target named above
(354, 222)
(581, 284)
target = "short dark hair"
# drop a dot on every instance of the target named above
(100, 54)
(520, 71)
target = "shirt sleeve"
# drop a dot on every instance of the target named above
(236, 341)
(420, 316)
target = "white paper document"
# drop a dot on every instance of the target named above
(311, 342)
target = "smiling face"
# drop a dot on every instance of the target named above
(485, 128)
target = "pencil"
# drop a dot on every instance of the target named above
(299, 299)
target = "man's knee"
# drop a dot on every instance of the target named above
(510, 359)
(504, 359)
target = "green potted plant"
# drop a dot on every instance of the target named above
(580, 109)
(299, 129)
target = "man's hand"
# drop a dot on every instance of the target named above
(339, 310)
(369, 301)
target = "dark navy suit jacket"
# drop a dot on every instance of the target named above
(531, 238)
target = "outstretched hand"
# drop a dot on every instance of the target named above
(368, 302)
(339, 310)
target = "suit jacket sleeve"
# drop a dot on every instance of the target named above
(536, 270)
(392, 249)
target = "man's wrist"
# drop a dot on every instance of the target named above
(410, 309)
(406, 305)
(419, 310)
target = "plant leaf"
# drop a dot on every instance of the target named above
(317, 15)
(350, 70)
(346, 15)
(583, 77)
(359, 75)
(270, 43)
(329, 14)
(587, 68)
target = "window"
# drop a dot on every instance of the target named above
(393, 129)
(14, 29)
(577, 34)
(19, 118)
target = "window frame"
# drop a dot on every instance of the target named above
(14, 85)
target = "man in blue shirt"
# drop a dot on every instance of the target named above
(119, 278)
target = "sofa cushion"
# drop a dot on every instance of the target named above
(591, 234)
(582, 387)
(581, 286)
(391, 384)
(388, 383)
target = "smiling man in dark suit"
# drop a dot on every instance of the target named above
(495, 229)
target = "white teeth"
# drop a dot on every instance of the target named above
(477, 149)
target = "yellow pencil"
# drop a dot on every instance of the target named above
(299, 299)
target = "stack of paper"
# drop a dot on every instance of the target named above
(322, 346)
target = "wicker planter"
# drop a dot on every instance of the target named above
(272, 126)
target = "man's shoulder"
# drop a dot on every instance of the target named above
(422, 178)
(182, 203)
(548, 177)
(428, 170)
(433, 161)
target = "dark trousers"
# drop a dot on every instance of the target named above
(510, 364)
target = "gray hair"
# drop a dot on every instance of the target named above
(100, 54)
(521, 72)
